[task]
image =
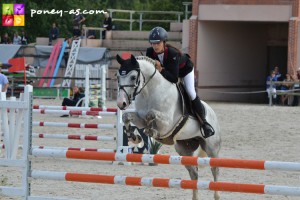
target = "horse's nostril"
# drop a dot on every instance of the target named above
(124, 104)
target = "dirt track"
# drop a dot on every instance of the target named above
(248, 132)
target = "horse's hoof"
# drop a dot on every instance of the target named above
(148, 132)
(150, 116)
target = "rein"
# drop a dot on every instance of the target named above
(137, 84)
(136, 93)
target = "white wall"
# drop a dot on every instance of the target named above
(227, 12)
(231, 54)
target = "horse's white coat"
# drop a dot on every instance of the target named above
(158, 110)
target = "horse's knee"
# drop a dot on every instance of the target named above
(126, 118)
(151, 132)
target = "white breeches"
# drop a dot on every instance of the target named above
(189, 84)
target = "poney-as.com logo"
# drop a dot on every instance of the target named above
(13, 14)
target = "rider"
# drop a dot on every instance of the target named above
(173, 64)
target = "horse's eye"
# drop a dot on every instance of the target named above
(132, 78)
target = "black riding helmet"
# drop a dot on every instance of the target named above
(158, 34)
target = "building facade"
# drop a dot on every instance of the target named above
(235, 43)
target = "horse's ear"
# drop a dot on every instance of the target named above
(133, 60)
(119, 59)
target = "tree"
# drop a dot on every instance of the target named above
(38, 25)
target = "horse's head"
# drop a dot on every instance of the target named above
(128, 81)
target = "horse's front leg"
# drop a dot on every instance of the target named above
(150, 129)
(132, 133)
(187, 148)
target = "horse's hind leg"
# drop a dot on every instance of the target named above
(187, 148)
(213, 153)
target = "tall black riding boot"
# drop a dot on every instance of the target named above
(207, 128)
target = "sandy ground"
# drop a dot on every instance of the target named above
(248, 132)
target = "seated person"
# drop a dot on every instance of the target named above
(78, 93)
(271, 89)
(53, 33)
(285, 87)
(24, 38)
(6, 39)
(91, 34)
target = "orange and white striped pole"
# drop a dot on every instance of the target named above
(168, 183)
(168, 159)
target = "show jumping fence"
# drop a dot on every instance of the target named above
(168, 159)
(24, 190)
(168, 183)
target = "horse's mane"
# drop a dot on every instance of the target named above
(150, 60)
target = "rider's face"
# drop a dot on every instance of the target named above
(158, 47)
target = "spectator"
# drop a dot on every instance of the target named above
(78, 93)
(279, 78)
(6, 39)
(3, 80)
(17, 39)
(285, 87)
(271, 89)
(77, 21)
(107, 24)
(91, 34)
(53, 33)
(277, 72)
(296, 87)
(24, 38)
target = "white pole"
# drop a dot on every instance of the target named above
(18, 122)
(0, 119)
(12, 124)
(119, 129)
(87, 86)
(103, 85)
(27, 139)
(5, 127)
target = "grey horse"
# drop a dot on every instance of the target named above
(158, 109)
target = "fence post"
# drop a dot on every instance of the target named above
(27, 140)
(270, 93)
(141, 21)
(87, 86)
(103, 85)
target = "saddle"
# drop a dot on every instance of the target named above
(186, 106)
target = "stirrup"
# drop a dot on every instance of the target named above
(208, 128)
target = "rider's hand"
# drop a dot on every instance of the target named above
(158, 66)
